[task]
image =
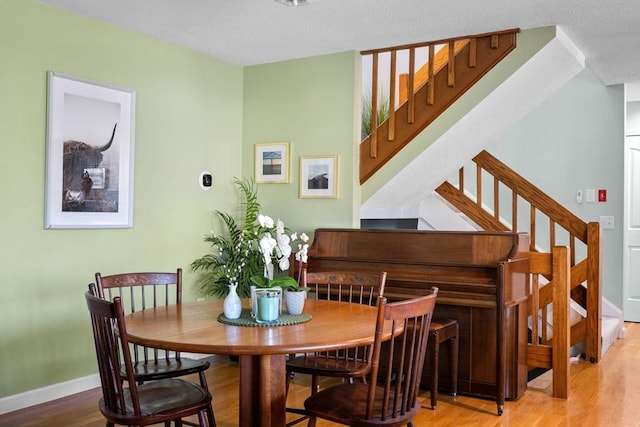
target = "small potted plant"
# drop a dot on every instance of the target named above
(294, 299)
(276, 252)
(252, 253)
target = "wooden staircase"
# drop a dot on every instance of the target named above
(454, 66)
(500, 204)
(558, 237)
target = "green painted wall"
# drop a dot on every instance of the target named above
(193, 113)
(310, 103)
(188, 118)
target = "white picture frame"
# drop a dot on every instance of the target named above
(90, 136)
(319, 177)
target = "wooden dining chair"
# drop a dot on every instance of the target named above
(352, 287)
(139, 291)
(390, 398)
(160, 401)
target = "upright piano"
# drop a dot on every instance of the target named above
(489, 303)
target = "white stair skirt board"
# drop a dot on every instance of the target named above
(437, 214)
(610, 332)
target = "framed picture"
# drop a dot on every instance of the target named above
(319, 177)
(272, 163)
(90, 140)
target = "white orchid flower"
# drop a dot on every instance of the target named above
(283, 239)
(284, 263)
(302, 254)
(279, 227)
(304, 238)
(284, 250)
(267, 244)
(265, 221)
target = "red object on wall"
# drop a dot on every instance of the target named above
(602, 195)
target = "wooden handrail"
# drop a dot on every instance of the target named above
(532, 194)
(484, 210)
(437, 42)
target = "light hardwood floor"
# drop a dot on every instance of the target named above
(603, 394)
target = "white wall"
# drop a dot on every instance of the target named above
(574, 140)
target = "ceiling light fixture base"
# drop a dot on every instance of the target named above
(294, 2)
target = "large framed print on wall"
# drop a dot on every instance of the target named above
(90, 142)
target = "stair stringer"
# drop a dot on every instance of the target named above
(547, 70)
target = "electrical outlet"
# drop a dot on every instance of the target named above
(606, 222)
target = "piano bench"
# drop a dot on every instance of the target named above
(441, 331)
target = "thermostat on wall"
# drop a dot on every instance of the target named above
(205, 180)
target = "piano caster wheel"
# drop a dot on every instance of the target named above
(500, 410)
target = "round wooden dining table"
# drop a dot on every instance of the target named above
(262, 350)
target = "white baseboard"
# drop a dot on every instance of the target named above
(45, 394)
(56, 391)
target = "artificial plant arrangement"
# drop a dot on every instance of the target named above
(252, 251)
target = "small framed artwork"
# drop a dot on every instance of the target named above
(272, 163)
(89, 168)
(319, 177)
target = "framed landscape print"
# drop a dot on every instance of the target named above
(89, 167)
(272, 163)
(319, 177)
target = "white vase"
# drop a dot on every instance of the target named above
(294, 301)
(232, 305)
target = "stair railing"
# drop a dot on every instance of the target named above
(422, 80)
(487, 211)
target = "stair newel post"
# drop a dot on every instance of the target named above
(374, 107)
(392, 97)
(594, 295)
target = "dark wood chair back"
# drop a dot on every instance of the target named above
(153, 402)
(348, 286)
(139, 291)
(391, 395)
(105, 318)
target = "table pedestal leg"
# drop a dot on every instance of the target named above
(263, 391)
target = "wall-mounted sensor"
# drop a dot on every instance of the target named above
(206, 180)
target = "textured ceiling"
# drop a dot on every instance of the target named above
(249, 32)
